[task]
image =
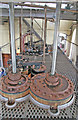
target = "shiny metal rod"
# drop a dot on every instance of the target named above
(56, 32)
(11, 15)
(1, 60)
(45, 27)
(31, 35)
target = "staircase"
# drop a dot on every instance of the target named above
(35, 33)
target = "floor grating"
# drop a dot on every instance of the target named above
(27, 109)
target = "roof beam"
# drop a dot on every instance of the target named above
(38, 14)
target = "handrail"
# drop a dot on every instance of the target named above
(71, 42)
(38, 25)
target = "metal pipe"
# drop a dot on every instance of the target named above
(1, 60)
(31, 30)
(45, 26)
(20, 29)
(9, 35)
(11, 15)
(56, 32)
(42, 32)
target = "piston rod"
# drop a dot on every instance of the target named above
(45, 26)
(11, 15)
(56, 32)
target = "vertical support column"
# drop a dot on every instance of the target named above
(45, 26)
(42, 31)
(31, 37)
(1, 60)
(9, 35)
(28, 36)
(20, 29)
(77, 39)
(11, 15)
(56, 32)
(77, 56)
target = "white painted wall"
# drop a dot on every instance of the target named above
(72, 55)
(4, 37)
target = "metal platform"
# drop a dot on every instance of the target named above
(27, 109)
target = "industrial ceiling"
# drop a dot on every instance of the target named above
(48, 1)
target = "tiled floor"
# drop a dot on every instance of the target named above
(27, 109)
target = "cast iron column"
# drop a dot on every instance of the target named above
(11, 15)
(56, 32)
